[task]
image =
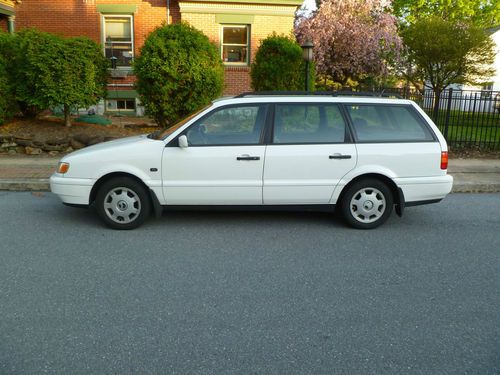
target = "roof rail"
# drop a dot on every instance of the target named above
(319, 93)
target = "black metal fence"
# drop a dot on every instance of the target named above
(467, 118)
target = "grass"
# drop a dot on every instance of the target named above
(474, 128)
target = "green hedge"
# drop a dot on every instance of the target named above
(178, 71)
(279, 66)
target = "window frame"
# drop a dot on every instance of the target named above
(247, 45)
(127, 110)
(348, 137)
(263, 131)
(132, 39)
(412, 112)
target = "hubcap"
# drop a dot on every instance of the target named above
(368, 205)
(122, 205)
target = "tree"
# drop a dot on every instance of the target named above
(278, 65)
(352, 39)
(51, 71)
(483, 13)
(178, 71)
(440, 53)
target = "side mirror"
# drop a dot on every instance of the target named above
(183, 141)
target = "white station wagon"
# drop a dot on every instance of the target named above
(361, 155)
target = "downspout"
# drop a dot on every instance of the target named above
(168, 12)
(10, 24)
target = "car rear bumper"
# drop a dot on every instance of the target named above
(417, 189)
(73, 191)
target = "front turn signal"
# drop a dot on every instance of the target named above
(62, 168)
(444, 160)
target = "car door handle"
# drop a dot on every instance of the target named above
(247, 157)
(340, 156)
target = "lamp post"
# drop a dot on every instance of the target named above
(307, 54)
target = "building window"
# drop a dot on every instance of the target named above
(235, 44)
(118, 39)
(115, 105)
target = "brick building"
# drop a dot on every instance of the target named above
(7, 14)
(121, 26)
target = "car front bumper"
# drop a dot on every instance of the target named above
(71, 190)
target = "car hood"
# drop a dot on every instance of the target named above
(112, 146)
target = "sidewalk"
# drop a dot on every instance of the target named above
(31, 173)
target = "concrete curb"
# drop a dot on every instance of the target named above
(31, 184)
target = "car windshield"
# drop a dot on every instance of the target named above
(161, 134)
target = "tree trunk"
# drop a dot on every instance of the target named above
(437, 101)
(67, 115)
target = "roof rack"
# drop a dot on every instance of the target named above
(319, 93)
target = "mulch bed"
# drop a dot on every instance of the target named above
(45, 130)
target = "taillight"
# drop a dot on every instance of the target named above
(444, 160)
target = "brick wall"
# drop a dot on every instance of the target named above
(80, 17)
(3, 23)
(237, 78)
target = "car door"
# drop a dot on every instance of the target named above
(223, 163)
(309, 153)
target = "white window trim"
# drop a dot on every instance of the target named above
(247, 45)
(103, 35)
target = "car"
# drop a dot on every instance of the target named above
(360, 156)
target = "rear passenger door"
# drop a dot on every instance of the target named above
(308, 153)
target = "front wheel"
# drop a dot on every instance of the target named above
(123, 203)
(367, 204)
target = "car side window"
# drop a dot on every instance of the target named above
(387, 123)
(232, 125)
(308, 123)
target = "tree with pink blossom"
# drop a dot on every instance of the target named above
(352, 39)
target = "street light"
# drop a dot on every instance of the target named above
(307, 54)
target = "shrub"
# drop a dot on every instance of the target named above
(178, 71)
(52, 70)
(279, 66)
(8, 104)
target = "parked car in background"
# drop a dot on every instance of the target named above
(361, 155)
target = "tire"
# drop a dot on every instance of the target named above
(367, 204)
(123, 203)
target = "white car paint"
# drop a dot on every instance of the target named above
(284, 174)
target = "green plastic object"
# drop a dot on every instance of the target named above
(94, 119)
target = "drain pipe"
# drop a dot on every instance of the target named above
(168, 12)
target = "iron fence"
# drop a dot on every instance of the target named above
(467, 118)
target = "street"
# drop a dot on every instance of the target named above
(250, 292)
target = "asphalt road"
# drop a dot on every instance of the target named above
(250, 293)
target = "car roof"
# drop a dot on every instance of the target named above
(308, 99)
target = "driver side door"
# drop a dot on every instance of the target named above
(223, 163)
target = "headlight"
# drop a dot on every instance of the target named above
(62, 167)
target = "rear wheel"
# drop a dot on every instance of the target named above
(367, 204)
(123, 203)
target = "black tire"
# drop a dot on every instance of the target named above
(366, 204)
(123, 203)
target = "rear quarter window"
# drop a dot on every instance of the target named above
(388, 123)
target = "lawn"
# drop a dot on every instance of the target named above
(480, 129)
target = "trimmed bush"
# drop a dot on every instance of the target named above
(52, 70)
(279, 66)
(8, 104)
(178, 71)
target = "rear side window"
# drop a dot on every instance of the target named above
(388, 123)
(308, 123)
